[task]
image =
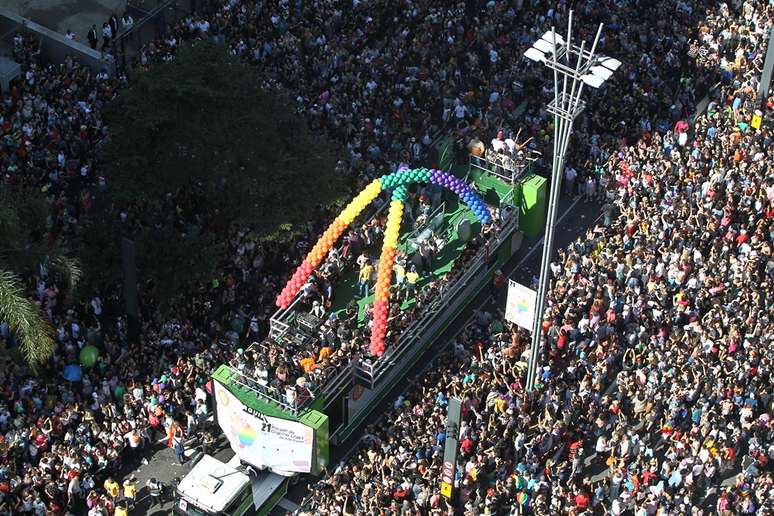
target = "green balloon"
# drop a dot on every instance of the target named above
(88, 356)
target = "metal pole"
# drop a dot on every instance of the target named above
(451, 447)
(768, 65)
(546, 255)
(129, 265)
(566, 107)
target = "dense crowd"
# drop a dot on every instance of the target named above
(652, 397)
(383, 79)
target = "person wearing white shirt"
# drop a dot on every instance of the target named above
(96, 305)
(460, 111)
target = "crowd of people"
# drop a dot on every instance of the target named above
(652, 397)
(61, 439)
(631, 303)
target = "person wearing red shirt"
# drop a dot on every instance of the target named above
(581, 501)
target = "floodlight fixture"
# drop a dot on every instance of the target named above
(552, 36)
(544, 46)
(610, 63)
(534, 54)
(592, 80)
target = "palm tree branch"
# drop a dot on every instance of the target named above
(35, 333)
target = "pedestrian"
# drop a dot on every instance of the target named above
(364, 278)
(130, 490)
(412, 276)
(92, 37)
(426, 256)
(570, 174)
(178, 443)
(154, 490)
(113, 22)
(498, 282)
(107, 36)
(112, 488)
(590, 188)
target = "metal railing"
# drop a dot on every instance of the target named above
(153, 18)
(341, 382)
(269, 393)
(510, 171)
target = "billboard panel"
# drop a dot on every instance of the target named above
(520, 307)
(265, 442)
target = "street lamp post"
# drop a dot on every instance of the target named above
(575, 66)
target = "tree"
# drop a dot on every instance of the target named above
(24, 246)
(23, 231)
(196, 145)
(25, 320)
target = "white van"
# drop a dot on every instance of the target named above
(214, 488)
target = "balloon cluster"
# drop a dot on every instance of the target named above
(384, 276)
(323, 246)
(396, 182)
(463, 191)
(405, 176)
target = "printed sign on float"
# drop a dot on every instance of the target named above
(520, 307)
(265, 442)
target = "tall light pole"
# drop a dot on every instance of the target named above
(573, 66)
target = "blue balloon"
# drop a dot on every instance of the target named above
(72, 373)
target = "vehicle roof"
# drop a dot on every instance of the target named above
(212, 484)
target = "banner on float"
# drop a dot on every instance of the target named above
(520, 307)
(265, 442)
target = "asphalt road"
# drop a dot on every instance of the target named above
(160, 463)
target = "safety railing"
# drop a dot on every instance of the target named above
(269, 393)
(503, 166)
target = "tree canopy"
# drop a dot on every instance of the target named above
(198, 144)
(25, 246)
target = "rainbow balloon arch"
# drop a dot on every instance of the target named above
(397, 183)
